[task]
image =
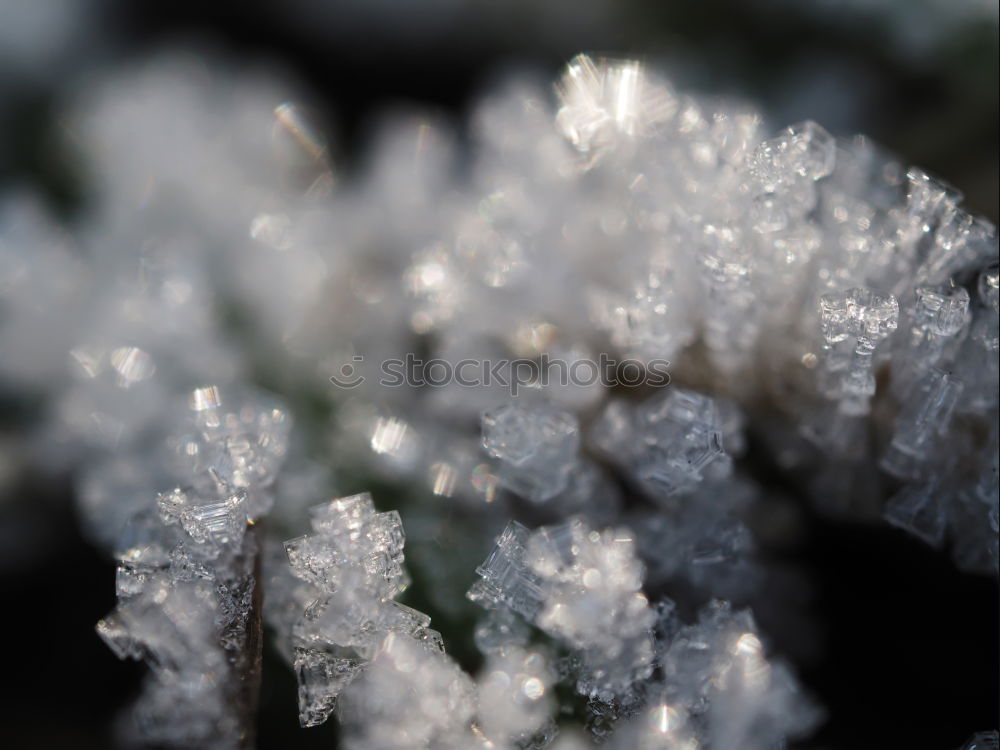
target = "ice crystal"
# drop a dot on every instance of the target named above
(352, 567)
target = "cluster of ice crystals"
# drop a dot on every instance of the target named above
(844, 305)
(173, 628)
(350, 567)
(186, 585)
(605, 102)
(653, 322)
(854, 322)
(805, 279)
(239, 444)
(378, 664)
(409, 696)
(720, 687)
(582, 587)
(219, 521)
(802, 153)
(349, 534)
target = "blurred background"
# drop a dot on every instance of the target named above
(908, 655)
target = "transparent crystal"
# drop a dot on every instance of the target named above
(222, 522)
(321, 677)
(928, 198)
(347, 532)
(237, 437)
(679, 436)
(606, 100)
(862, 318)
(942, 312)
(919, 509)
(560, 577)
(922, 420)
(537, 448)
(859, 313)
(506, 579)
(804, 150)
(343, 614)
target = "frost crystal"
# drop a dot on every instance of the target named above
(854, 322)
(667, 443)
(803, 152)
(506, 578)
(717, 668)
(558, 577)
(923, 419)
(239, 441)
(351, 567)
(588, 596)
(379, 665)
(605, 101)
(537, 448)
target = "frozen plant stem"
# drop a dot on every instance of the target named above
(248, 660)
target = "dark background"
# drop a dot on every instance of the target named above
(909, 656)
